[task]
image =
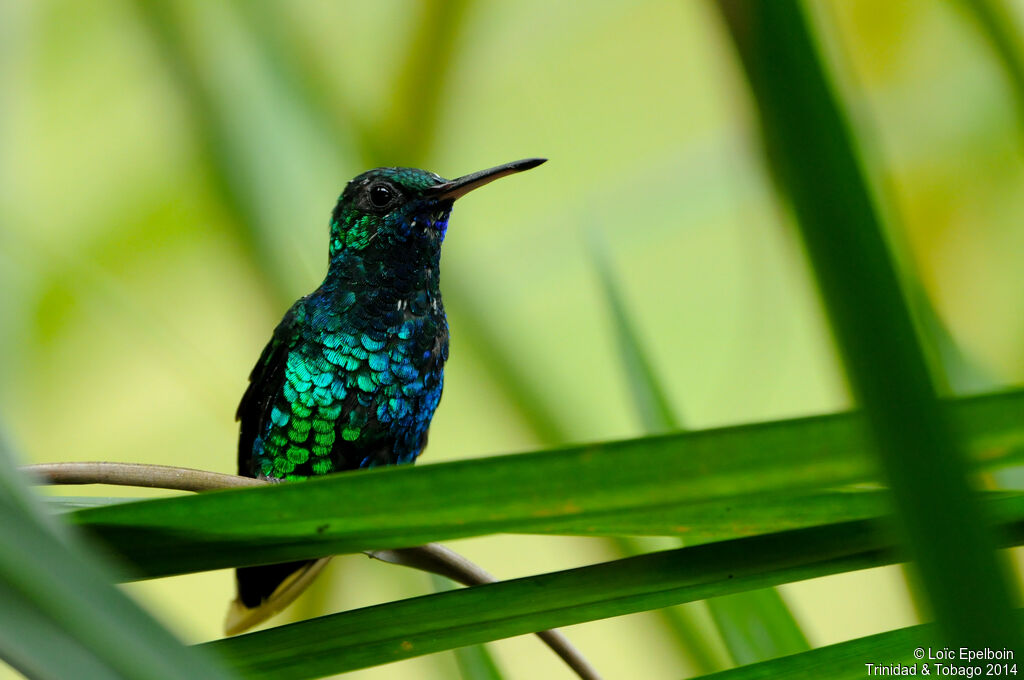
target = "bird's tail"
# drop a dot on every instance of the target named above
(264, 591)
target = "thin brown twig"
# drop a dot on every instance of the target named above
(437, 559)
(432, 557)
(137, 474)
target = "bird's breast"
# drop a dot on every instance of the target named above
(384, 364)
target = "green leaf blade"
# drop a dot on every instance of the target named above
(61, 618)
(581, 489)
(432, 623)
(755, 625)
(812, 150)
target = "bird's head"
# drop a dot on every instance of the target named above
(403, 211)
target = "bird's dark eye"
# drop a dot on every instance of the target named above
(381, 195)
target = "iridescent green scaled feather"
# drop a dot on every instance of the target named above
(354, 371)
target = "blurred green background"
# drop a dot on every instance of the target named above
(167, 171)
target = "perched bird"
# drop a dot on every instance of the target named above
(353, 373)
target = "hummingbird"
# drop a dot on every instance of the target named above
(354, 371)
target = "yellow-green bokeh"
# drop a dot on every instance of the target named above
(133, 308)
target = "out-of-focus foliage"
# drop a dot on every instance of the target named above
(135, 302)
(810, 143)
(61, 618)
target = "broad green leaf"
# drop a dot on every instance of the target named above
(695, 639)
(848, 660)
(653, 485)
(474, 661)
(813, 152)
(61, 618)
(755, 625)
(844, 661)
(422, 625)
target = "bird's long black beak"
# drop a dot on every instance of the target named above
(455, 188)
